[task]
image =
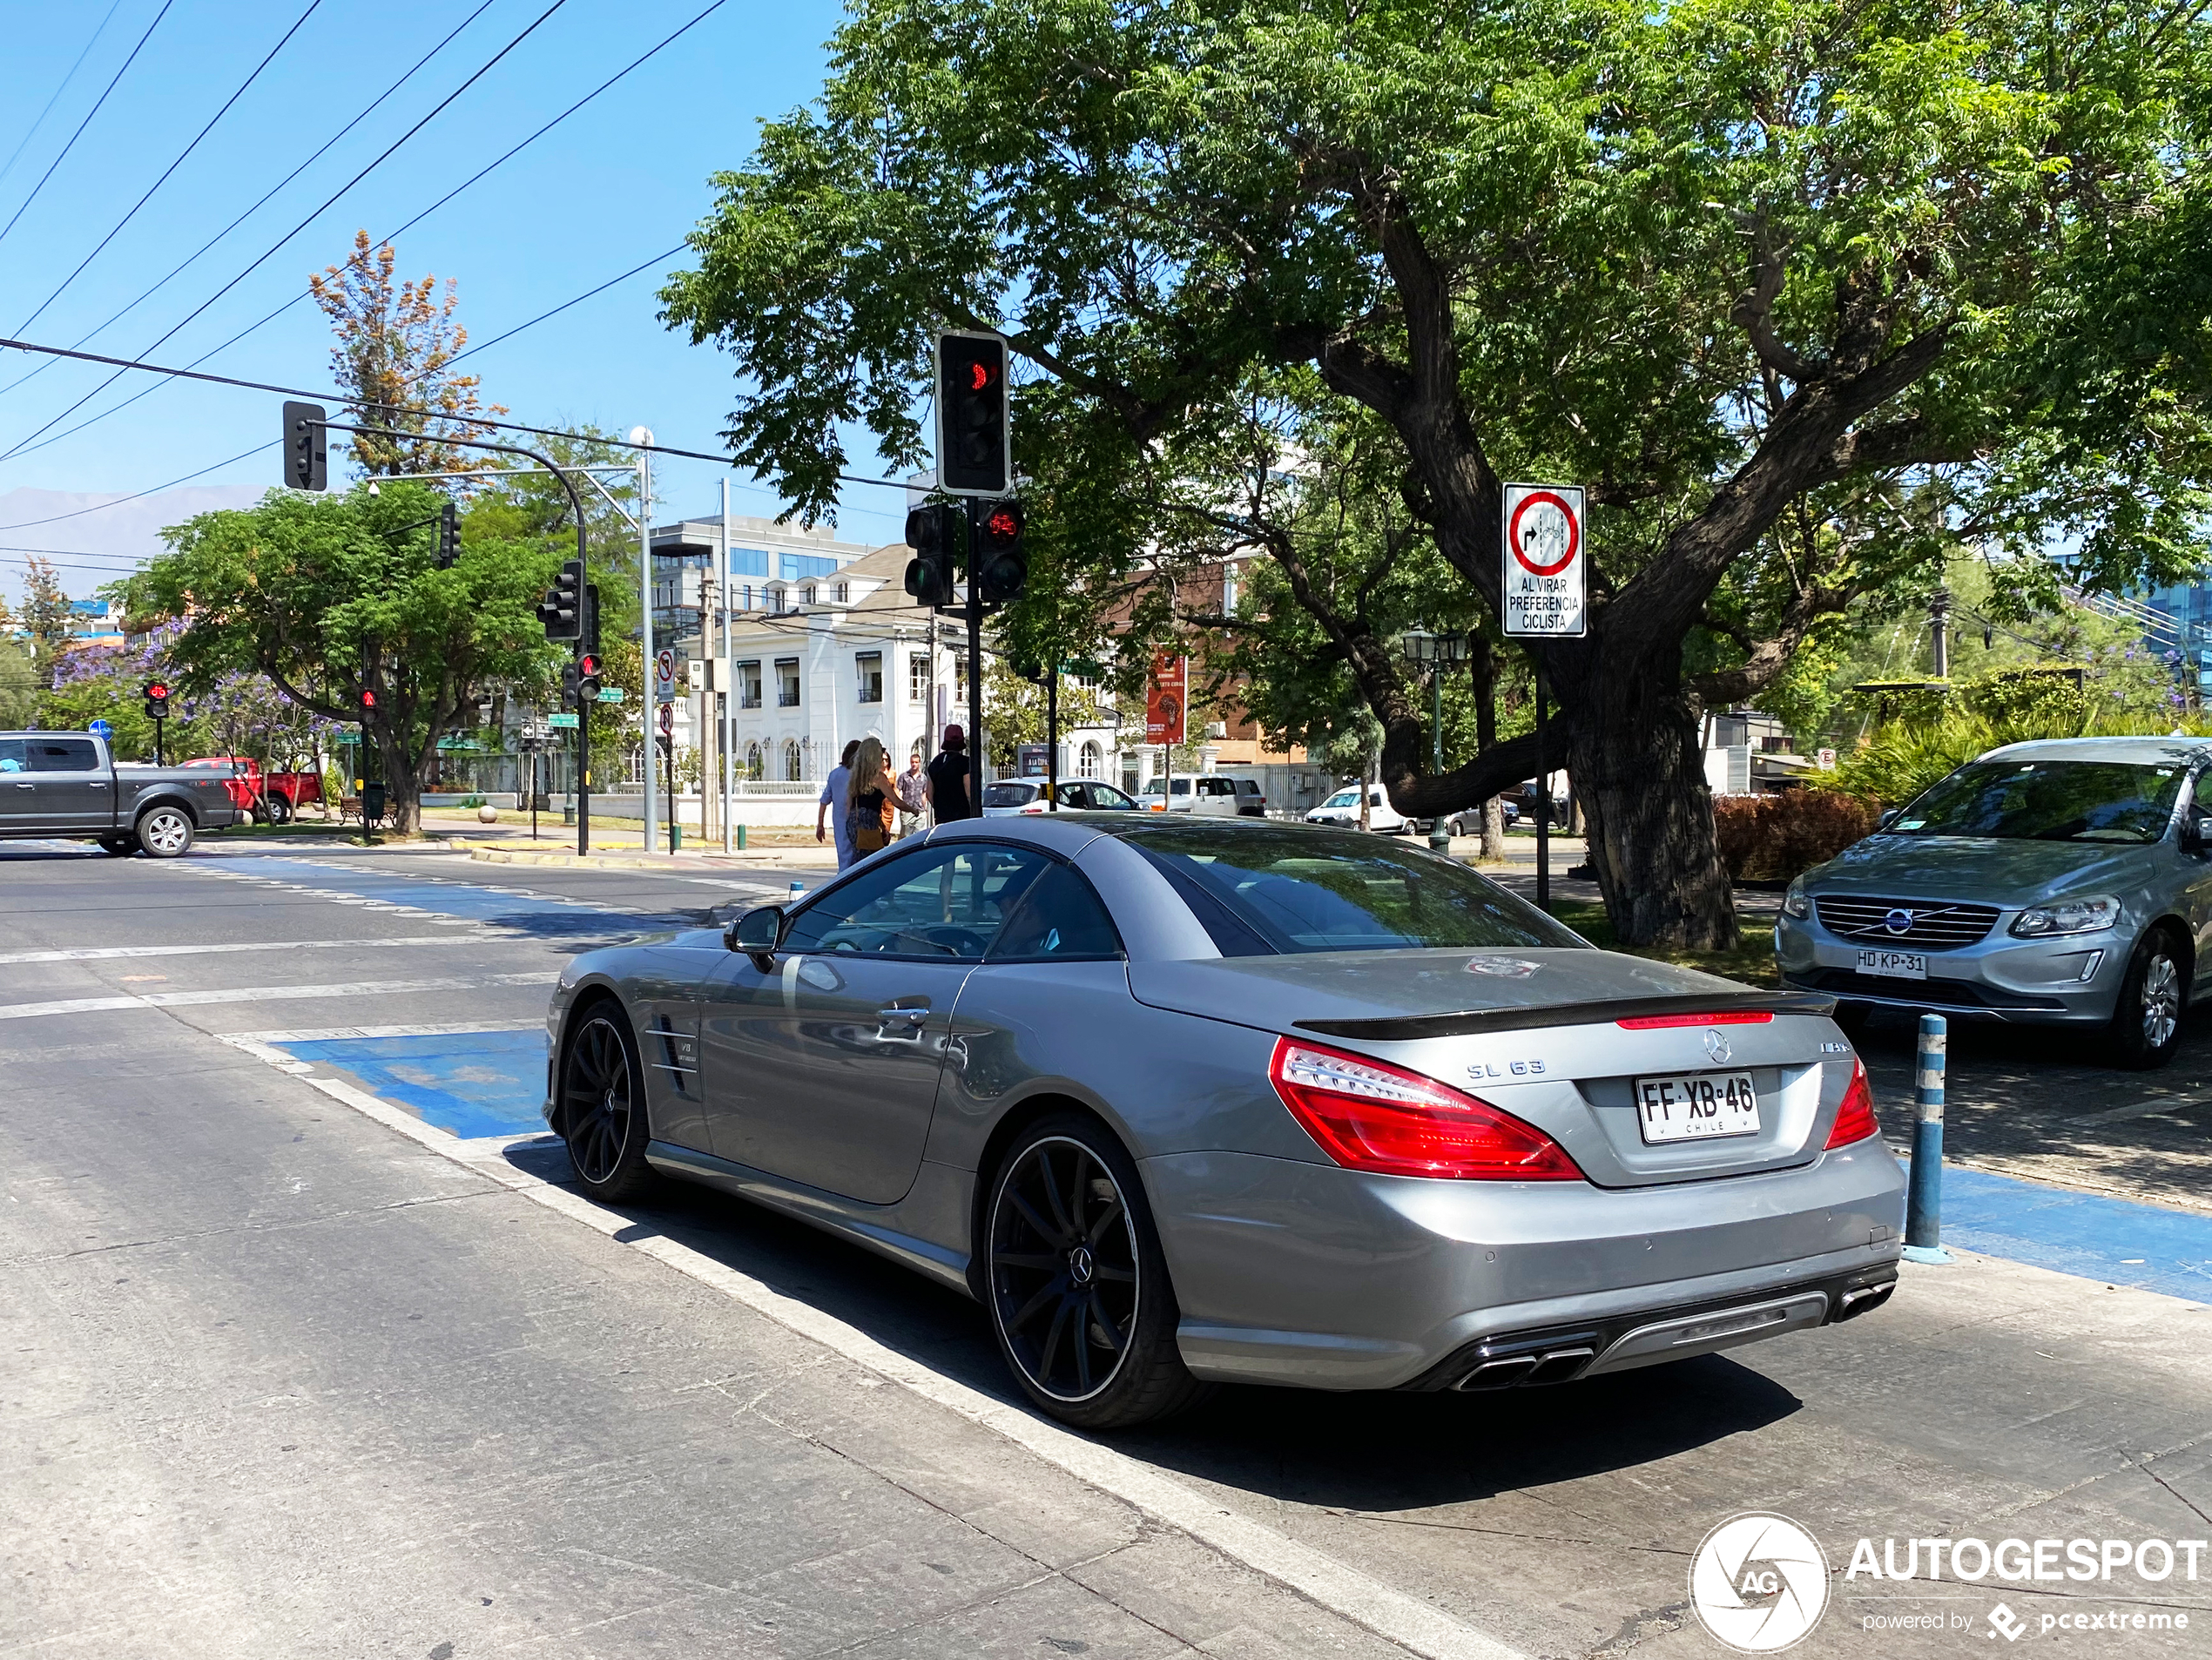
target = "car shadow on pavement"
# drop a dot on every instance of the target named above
(1352, 1451)
(2045, 1103)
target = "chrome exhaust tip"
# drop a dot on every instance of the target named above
(1863, 1299)
(1536, 1366)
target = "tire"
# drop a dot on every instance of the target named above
(118, 846)
(603, 1108)
(1067, 1232)
(279, 810)
(165, 833)
(2154, 999)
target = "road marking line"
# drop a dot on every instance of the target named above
(265, 994)
(345, 1034)
(106, 953)
(1391, 1614)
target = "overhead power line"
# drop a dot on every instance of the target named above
(273, 247)
(87, 121)
(189, 373)
(297, 22)
(162, 281)
(541, 316)
(16, 155)
(27, 445)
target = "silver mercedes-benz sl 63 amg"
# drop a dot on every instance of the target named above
(1206, 1099)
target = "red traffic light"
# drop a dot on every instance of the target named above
(1003, 524)
(587, 666)
(157, 690)
(979, 376)
(368, 700)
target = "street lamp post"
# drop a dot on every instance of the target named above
(1434, 653)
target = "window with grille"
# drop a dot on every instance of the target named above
(870, 664)
(787, 684)
(749, 685)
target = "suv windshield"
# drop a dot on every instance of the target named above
(1259, 891)
(2047, 801)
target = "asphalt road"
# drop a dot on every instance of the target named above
(287, 1369)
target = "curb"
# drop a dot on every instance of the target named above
(494, 854)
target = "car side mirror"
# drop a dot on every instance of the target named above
(757, 933)
(1886, 820)
(2196, 832)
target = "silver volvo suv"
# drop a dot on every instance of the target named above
(2062, 882)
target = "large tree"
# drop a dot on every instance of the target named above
(1761, 273)
(333, 596)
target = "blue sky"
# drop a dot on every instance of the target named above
(620, 181)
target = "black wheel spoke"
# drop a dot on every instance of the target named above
(1045, 1265)
(1044, 1230)
(1052, 1343)
(1107, 1217)
(1114, 1276)
(1064, 1229)
(1030, 1310)
(1082, 1354)
(1107, 1329)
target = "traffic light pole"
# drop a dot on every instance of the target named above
(576, 504)
(975, 694)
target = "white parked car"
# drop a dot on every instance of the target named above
(1343, 809)
(1010, 795)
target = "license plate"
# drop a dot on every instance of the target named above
(1896, 965)
(1696, 1106)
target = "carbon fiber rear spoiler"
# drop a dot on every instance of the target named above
(1472, 1022)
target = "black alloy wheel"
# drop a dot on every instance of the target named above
(603, 1115)
(1076, 1286)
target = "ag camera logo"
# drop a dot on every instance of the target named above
(1759, 1584)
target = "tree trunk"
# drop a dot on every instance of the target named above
(1638, 770)
(402, 782)
(1484, 666)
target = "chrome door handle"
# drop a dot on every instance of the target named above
(26, 787)
(917, 1015)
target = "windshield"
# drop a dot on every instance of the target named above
(1008, 795)
(2047, 801)
(1301, 889)
(1342, 799)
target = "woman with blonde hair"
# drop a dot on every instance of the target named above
(870, 795)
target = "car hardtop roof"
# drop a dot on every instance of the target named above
(2143, 751)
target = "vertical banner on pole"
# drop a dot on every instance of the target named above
(1543, 593)
(1167, 708)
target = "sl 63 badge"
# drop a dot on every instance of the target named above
(1515, 1069)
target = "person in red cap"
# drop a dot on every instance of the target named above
(948, 788)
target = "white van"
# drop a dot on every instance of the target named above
(1211, 794)
(1343, 809)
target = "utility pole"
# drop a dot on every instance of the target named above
(1940, 633)
(729, 669)
(642, 437)
(706, 732)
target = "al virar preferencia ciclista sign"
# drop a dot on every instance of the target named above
(1544, 560)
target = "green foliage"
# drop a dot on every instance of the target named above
(18, 683)
(328, 595)
(1014, 710)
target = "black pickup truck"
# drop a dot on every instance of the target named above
(66, 785)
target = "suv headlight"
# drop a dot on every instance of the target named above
(1794, 902)
(2089, 915)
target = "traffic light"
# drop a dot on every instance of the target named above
(933, 533)
(973, 444)
(562, 609)
(996, 563)
(587, 677)
(157, 699)
(306, 446)
(572, 681)
(448, 536)
(590, 637)
(368, 703)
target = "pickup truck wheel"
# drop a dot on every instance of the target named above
(279, 809)
(165, 832)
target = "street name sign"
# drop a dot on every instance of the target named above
(564, 722)
(1544, 563)
(612, 694)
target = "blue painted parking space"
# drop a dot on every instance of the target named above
(2118, 1241)
(469, 1084)
(546, 915)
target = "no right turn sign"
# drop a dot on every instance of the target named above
(1544, 557)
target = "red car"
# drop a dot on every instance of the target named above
(275, 798)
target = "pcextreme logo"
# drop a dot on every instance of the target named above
(1759, 1583)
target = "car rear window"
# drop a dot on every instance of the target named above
(2048, 801)
(1287, 890)
(1008, 795)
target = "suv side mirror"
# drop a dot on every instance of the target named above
(2196, 831)
(757, 933)
(1886, 820)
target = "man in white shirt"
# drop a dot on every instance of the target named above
(832, 803)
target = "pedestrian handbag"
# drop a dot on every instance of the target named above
(869, 832)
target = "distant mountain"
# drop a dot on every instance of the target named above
(105, 539)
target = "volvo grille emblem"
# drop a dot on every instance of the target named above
(1899, 920)
(1716, 1046)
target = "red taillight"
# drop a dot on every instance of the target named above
(1368, 1116)
(1732, 1017)
(1855, 1118)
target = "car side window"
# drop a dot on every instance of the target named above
(1059, 919)
(946, 901)
(62, 754)
(12, 755)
